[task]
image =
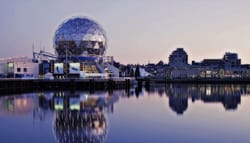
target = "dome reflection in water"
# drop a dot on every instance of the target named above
(79, 118)
(80, 127)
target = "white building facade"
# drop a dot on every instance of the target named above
(18, 67)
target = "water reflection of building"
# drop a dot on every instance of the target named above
(80, 117)
(17, 104)
(78, 101)
(229, 95)
(178, 104)
(80, 127)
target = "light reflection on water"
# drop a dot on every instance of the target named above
(160, 113)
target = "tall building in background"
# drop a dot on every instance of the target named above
(231, 60)
(178, 58)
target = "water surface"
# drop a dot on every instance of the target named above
(160, 113)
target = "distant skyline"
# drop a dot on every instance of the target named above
(138, 31)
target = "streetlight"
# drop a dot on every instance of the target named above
(66, 56)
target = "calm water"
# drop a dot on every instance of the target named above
(160, 114)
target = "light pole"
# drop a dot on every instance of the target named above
(66, 57)
(66, 48)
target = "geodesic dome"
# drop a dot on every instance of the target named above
(80, 36)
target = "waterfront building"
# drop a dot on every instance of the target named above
(80, 45)
(157, 70)
(227, 67)
(231, 60)
(18, 67)
(213, 63)
(178, 58)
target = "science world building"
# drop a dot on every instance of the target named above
(80, 44)
(80, 37)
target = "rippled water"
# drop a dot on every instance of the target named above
(162, 113)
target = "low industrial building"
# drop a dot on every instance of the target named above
(18, 67)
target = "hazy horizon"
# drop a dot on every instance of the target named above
(150, 29)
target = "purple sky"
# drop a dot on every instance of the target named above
(138, 30)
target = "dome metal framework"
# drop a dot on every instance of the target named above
(78, 37)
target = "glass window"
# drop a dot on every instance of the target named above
(24, 69)
(18, 69)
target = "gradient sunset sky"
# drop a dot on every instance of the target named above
(138, 31)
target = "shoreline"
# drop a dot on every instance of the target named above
(198, 80)
(19, 85)
(109, 84)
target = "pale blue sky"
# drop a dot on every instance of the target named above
(138, 30)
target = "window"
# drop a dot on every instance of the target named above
(18, 69)
(24, 69)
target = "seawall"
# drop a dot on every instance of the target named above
(29, 85)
